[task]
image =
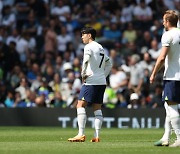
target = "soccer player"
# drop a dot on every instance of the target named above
(170, 57)
(96, 67)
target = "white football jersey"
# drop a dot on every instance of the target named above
(98, 66)
(171, 39)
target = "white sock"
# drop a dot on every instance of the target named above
(167, 124)
(98, 122)
(175, 119)
(81, 118)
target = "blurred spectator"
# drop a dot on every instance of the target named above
(146, 62)
(123, 98)
(22, 10)
(8, 2)
(60, 10)
(67, 67)
(39, 7)
(112, 33)
(70, 89)
(49, 73)
(70, 51)
(86, 13)
(33, 72)
(9, 18)
(129, 35)
(1, 7)
(118, 79)
(77, 67)
(3, 93)
(177, 6)
(129, 49)
(35, 84)
(110, 98)
(143, 15)
(127, 12)
(14, 76)
(58, 101)
(156, 30)
(3, 53)
(156, 100)
(94, 23)
(145, 42)
(13, 37)
(45, 94)
(50, 44)
(30, 100)
(115, 57)
(9, 101)
(23, 86)
(18, 102)
(55, 84)
(58, 66)
(77, 41)
(22, 46)
(136, 74)
(154, 51)
(12, 57)
(62, 39)
(134, 101)
(45, 64)
(31, 24)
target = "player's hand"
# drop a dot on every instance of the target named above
(84, 78)
(151, 79)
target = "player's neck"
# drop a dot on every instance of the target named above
(90, 41)
(169, 28)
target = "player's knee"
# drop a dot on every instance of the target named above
(97, 107)
(81, 104)
(171, 103)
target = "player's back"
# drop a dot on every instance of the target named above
(96, 65)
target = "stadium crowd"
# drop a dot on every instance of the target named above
(41, 50)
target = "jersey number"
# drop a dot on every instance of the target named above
(102, 55)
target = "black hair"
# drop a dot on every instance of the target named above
(89, 30)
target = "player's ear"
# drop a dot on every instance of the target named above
(89, 35)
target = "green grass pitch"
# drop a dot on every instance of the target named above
(52, 140)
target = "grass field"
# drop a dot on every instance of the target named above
(43, 140)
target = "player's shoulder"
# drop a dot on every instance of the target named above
(93, 44)
(166, 35)
(87, 47)
(173, 31)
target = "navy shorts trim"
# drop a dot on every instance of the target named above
(92, 93)
(171, 91)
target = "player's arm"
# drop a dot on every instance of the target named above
(87, 55)
(159, 63)
(108, 65)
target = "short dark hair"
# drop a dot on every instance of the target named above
(89, 30)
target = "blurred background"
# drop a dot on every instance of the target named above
(41, 51)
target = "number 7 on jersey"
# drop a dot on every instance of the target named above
(101, 54)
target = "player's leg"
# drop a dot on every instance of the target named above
(167, 125)
(175, 122)
(171, 95)
(81, 114)
(98, 120)
(81, 118)
(164, 141)
(97, 103)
